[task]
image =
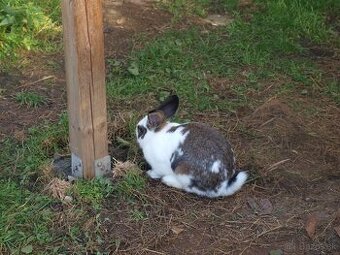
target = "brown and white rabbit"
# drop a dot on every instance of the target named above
(192, 156)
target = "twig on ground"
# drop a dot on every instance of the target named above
(153, 251)
(37, 81)
(275, 165)
(267, 122)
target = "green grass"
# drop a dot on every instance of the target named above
(184, 8)
(177, 61)
(25, 218)
(27, 25)
(23, 160)
(130, 185)
(93, 192)
(30, 99)
(272, 43)
(181, 8)
(137, 215)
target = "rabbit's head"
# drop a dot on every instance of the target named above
(156, 119)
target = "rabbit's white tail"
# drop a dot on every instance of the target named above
(236, 182)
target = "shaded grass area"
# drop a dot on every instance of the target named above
(245, 54)
(21, 160)
(271, 44)
(27, 25)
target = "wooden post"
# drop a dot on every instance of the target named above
(86, 94)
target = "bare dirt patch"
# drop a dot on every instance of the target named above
(126, 19)
(39, 79)
(296, 134)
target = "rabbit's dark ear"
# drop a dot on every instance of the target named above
(169, 106)
(156, 119)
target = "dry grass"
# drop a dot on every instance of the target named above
(121, 168)
(58, 188)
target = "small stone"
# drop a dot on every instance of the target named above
(68, 199)
(71, 178)
(62, 166)
(218, 20)
(177, 230)
(304, 92)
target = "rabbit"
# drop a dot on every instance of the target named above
(192, 156)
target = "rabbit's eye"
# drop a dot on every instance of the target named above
(141, 131)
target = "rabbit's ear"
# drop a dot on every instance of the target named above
(155, 119)
(169, 106)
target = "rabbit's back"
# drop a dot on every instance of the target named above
(205, 153)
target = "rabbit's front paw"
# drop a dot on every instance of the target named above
(171, 181)
(153, 175)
